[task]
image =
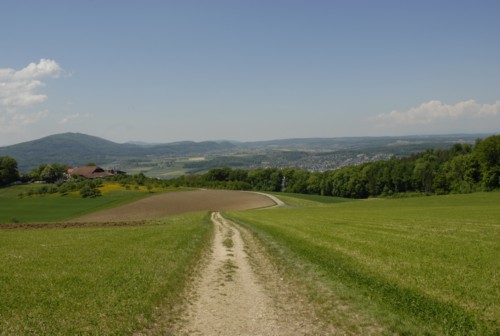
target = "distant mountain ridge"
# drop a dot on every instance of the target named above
(78, 149)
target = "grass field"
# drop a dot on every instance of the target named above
(96, 281)
(409, 266)
(424, 265)
(302, 200)
(49, 208)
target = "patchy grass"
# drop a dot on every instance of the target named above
(115, 186)
(229, 269)
(96, 280)
(228, 243)
(417, 265)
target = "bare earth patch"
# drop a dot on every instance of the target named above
(238, 294)
(179, 202)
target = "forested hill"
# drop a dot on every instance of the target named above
(316, 154)
(461, 169)
(78, 149)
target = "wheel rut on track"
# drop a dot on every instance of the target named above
(230, 297)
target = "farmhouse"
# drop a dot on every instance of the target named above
(91, 172)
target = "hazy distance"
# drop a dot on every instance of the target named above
(170, 71)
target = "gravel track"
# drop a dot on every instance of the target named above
(230, 298)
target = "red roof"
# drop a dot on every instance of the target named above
(90, 172)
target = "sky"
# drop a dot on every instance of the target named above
(165, 71)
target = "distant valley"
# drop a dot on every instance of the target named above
(178, 158)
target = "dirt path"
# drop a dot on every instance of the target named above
(279, 203)
(230, 297)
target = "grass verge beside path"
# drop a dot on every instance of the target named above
(418, 265)
(99, 281)
(303, 200)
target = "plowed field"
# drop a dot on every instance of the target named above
(180, 202)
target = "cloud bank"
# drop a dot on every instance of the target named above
(435, 110)
(19, 93)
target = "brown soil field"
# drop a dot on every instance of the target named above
(180, 202)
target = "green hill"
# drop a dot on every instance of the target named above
(78, 149)
(314, 154)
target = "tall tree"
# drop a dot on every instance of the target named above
(487, 152)
(8, 170)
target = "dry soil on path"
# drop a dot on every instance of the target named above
(239, 293)
(179, 202)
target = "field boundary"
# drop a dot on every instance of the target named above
(69, 225)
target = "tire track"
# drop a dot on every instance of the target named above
(229, 298)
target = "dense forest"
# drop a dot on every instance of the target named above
(460, 169)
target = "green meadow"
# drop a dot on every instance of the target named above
(407, 266)
(422, 265)
(303, 200)
(54, 207)
(97, 281)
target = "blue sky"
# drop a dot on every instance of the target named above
(163, 71)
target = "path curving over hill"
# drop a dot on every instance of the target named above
(179, 202)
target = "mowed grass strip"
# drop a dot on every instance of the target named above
(303, 200)
(96, 280)
(432, 262)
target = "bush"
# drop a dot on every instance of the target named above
(42, 190)
(52, 189)
(88, 191)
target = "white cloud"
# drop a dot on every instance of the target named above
(68, 118)
(74, 116)
(29, 118)
(18, 93)
(44, 68)
(13, 123)
(435, 110)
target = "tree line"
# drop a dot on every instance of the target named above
(463, 168)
